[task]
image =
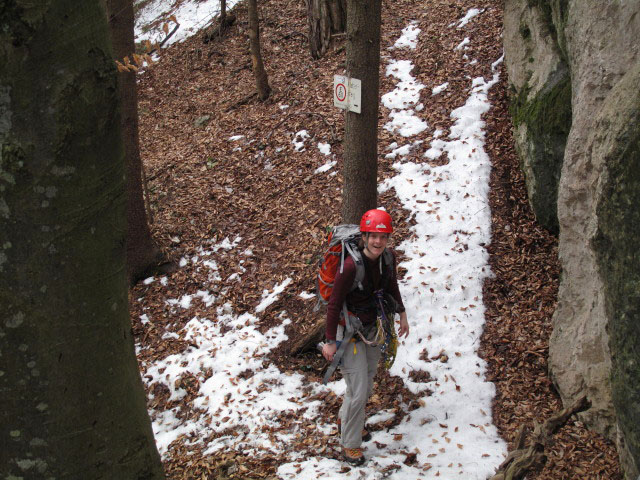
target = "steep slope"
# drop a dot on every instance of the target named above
(222, 165)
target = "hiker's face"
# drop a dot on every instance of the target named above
(375, 243)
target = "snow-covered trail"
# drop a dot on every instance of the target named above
(241, 400)
(452, 433)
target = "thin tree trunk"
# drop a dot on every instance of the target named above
(361, 129)
(223, 15)
(72, 400)
(143, 256)
(262, 82)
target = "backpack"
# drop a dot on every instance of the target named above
(343, 240)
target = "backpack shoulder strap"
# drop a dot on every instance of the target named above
(356, 255)
(387, 258)
(386, 267)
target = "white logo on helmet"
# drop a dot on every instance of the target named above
(368, 222)
(381, 225)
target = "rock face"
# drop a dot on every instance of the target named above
(574, 69)
(617, 142)
(539, 78)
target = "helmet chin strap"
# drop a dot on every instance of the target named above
(365, 240)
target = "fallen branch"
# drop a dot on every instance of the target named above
(334, 137)
(147, 197)
(169, 35)
(244, 66)
(242, 101)
(287, 36)
(521, 459)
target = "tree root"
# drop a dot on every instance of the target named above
(218, 29)
(522, 459)
(308, 340)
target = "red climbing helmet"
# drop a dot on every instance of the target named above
(376, 221)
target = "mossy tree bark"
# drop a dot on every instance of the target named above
(72, 400)
(143, 255)
(325, 19)
(262, 82)
(361, 129)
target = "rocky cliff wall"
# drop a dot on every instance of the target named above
(616, 139)
(574, 71)
(541, 107)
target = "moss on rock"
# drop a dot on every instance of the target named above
(547, 121)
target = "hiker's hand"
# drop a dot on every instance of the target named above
(404, 325)
(329, 350)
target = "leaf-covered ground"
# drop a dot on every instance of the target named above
(204, 187)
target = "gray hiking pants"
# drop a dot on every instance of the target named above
(358, 370)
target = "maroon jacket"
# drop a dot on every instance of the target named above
(362, 303)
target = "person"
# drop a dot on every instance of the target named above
(359, 361)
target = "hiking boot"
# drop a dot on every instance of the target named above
(353, 456)
(366, 435)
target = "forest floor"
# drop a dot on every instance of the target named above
(220, 164)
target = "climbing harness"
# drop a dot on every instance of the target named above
(385, 335)
(352, 324)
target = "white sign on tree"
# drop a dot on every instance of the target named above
(347, 93)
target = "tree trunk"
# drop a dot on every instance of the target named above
(262, 82)
(143, 256)
(360, 191)
(223, 15)
(72, 400)
(361, 129)
(338, 14)
(325, 18)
